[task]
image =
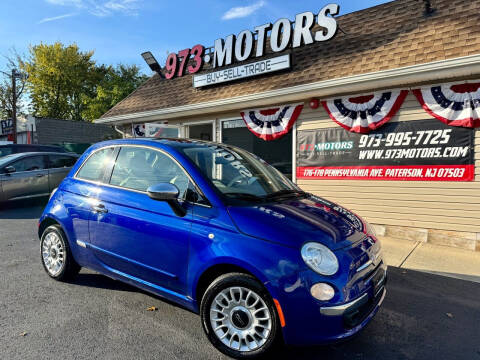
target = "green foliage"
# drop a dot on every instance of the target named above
(65, 83)
(116, 84)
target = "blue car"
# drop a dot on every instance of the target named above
(217, 230)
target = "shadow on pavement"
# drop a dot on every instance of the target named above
(23, 209)
(424, 316)
(99, 281)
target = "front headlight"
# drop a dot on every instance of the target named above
(319, 258)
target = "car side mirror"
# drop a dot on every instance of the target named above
(169, 193)
(9, 170)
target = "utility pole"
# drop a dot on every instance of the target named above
(14, 104)
(14, 75)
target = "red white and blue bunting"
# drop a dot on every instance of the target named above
(362, 114)
(272, 123)
(138, 130)
(454, 104)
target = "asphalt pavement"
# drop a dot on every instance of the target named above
(424, 316)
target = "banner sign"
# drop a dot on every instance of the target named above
(243, 71)
(454, 104)
(424, 150)
(272, 123)
(6, 126)
(362, 114)
(138, 130)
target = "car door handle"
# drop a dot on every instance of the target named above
(40, 175)
(100, 208)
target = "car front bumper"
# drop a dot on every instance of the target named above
(320, 324)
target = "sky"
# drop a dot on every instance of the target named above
(120, 30)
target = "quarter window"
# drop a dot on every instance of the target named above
(138, 168)
(61, 161)
(94, 168)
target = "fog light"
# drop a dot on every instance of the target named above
(322, 291)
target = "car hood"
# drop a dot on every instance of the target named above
(292, 222)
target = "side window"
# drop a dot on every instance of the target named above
(29, 164)
(94, 168)
(138, 168)
(61, 161)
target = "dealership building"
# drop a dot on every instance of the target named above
(377, 110)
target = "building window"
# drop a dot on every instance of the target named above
(277, 153)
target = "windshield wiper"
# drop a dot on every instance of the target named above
(243, 196)
(284, 192)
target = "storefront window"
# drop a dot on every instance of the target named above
(277, 153)
(201, 132)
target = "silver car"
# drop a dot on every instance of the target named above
(33, 174)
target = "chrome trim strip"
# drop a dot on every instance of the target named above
(383, 297)
(100, 183)
(364, 266)
(340, 309)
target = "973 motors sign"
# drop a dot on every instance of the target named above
(424, 150)
(308, 28)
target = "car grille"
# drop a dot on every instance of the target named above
(359, 312)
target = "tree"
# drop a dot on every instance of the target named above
(14, 61)
(66, 83)
(118, 82)
(60, 78)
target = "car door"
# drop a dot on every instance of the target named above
(134, 235)
(30, 178)
(80, 192)
(58, 167)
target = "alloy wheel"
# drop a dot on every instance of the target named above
(240, 319)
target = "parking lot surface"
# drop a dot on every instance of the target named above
(424, 316)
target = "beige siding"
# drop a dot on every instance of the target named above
(424, 204)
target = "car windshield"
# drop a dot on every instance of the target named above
(238, 174)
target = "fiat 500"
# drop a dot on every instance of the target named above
(219, 231)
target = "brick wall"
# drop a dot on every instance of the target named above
(54, 131)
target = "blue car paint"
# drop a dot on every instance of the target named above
(142, 242)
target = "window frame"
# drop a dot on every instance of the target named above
(45, 163)
(109, 171)
(108, 168)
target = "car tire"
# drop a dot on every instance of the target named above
(239, 317)
(56, 256)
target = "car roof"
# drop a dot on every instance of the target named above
(33, 153)
(175, 143)
(31, 145)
